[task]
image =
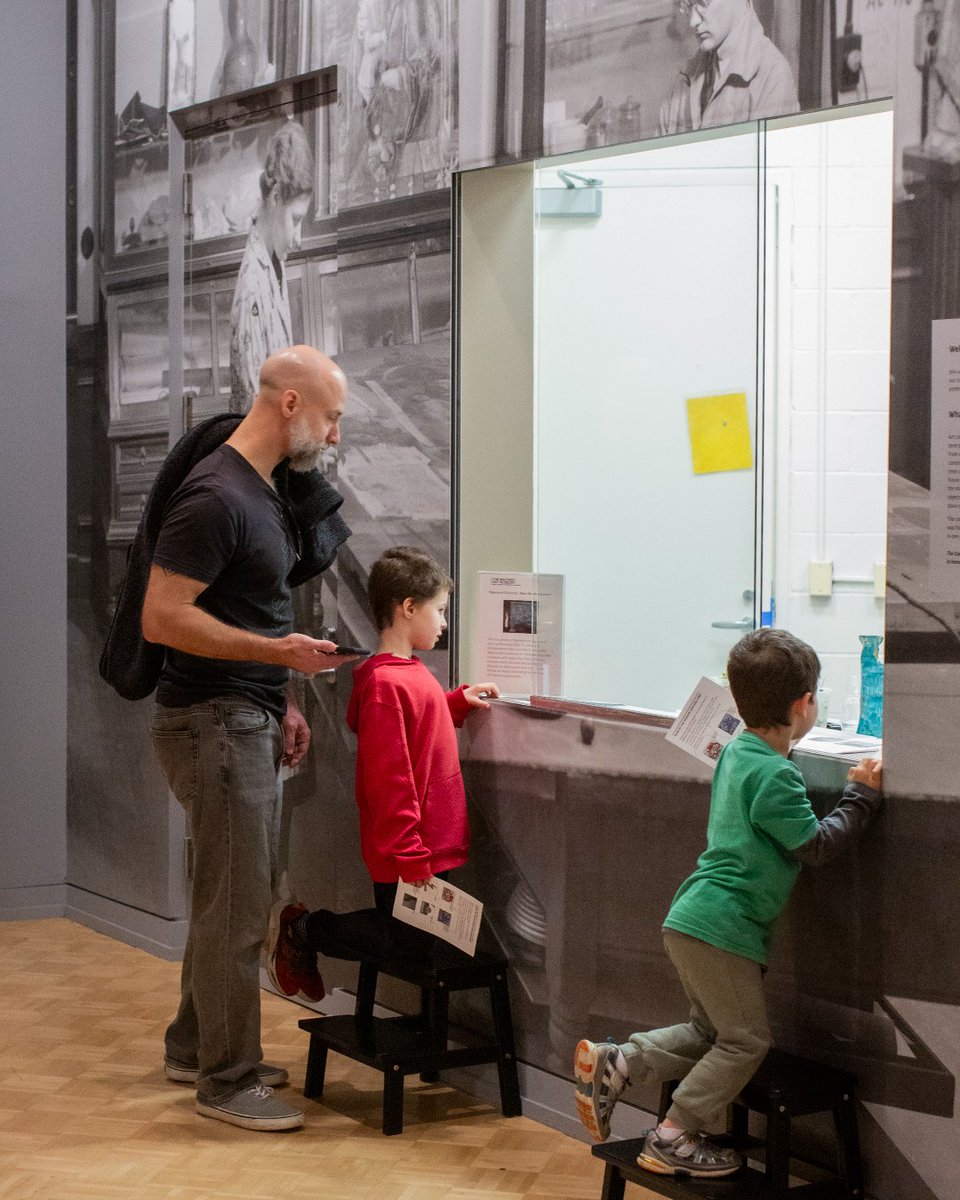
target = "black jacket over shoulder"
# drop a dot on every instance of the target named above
(132, 665)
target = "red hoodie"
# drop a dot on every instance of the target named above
(413, 809)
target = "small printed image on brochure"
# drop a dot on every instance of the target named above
(442, 909)
(707, 721)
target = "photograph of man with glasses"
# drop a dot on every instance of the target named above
(738, 74)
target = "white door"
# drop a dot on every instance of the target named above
(639, 310)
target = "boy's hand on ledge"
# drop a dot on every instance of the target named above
(868, 771)
(476, 694)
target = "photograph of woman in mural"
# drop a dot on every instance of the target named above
(260, 320)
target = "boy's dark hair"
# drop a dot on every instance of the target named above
(401, 572)
(767, 670)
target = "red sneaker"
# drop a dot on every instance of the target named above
(291, 966)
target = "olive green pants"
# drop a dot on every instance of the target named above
(716, 1052)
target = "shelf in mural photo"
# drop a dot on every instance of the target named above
(226, 165)
(224, 170)
(395, 128)
(137, 335)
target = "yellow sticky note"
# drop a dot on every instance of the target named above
(719, 433)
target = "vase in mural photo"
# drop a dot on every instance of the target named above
(240, 60)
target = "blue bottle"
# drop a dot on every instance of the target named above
(871, 686)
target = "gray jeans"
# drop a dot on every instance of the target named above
(221, 759)
(716, 1052)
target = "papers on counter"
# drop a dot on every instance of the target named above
(840, 744)
(441, 909)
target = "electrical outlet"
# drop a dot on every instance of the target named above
(821, 579)
(879, 580)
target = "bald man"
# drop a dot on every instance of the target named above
(219, 600)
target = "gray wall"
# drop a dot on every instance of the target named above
(33, 665)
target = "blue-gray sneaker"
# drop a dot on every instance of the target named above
(254, 1108)
(600, 1084)
(692, 1154)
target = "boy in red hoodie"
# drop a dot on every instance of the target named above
(410, 794)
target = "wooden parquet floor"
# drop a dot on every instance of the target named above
(86, 1113)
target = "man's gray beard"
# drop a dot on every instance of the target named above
(305, 460)
(305, 454)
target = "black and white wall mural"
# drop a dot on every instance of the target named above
(867, 972)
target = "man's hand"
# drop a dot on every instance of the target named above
(868, 771)
(172, 617)
(476, 694)
(296, 735)
(309, 655)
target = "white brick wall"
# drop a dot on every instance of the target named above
(832, 323)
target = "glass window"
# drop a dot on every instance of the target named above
(712, 371)
(646, 414)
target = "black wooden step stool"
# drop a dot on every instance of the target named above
(785, 1086)
(411, 1045)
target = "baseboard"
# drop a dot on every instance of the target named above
(32, 903)
(159, 936)
(548, 1100)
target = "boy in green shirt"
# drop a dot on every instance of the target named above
(717, 933)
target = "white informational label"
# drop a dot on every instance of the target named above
(439, 908)
(707, 721)
(945, 459)
(520, 631)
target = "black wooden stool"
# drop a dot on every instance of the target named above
(784, 1087)
(410, 1045)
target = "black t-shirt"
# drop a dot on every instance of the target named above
(226, 527)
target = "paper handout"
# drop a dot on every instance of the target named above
(707, 721)
(438, 907)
